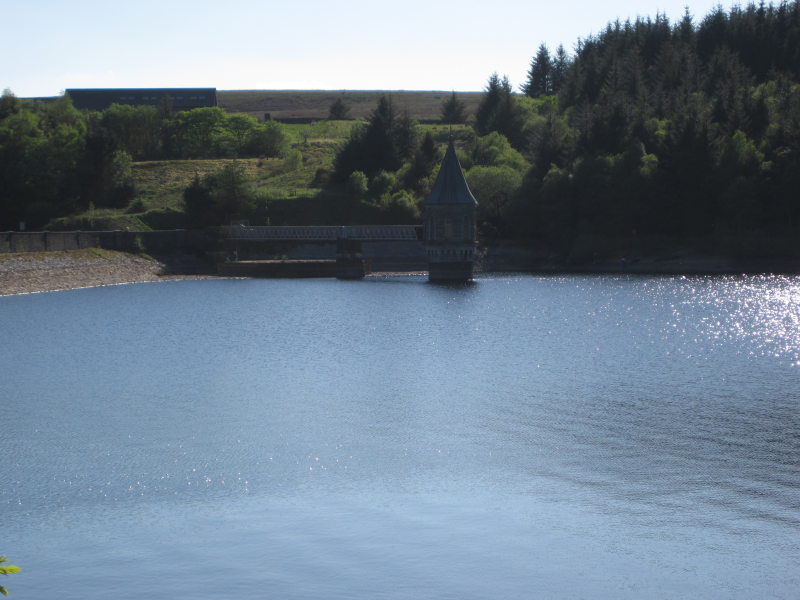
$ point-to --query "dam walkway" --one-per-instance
(323, 233)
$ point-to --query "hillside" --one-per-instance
(653, 138)
(314, 104)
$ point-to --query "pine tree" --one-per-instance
(560, 66)
(540, 75)
(381, 152)
(499, 111)
(491, 104)
(484, 116)
(404, 136)
(339, 110)
(424, 162)
(382, 145)
(453, 111)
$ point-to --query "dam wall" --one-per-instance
(124, 241)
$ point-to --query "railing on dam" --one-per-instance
(200, 239)
(322, 233)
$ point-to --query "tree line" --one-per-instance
(56, 160)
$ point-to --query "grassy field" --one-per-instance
(314, 104)
(160, 184)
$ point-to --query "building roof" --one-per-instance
(451, 186)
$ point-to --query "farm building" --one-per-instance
(181, 98)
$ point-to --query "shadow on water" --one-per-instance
(422, 279)
(453, 285)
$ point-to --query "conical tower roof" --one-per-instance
(450, 186)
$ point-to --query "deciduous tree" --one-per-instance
(240, 127)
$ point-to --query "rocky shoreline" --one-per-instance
(30, 272)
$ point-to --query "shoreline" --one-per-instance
(37, 272)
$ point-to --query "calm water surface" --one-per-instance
(522, 437)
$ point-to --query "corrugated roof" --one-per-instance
(451, 186)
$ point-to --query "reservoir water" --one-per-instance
(521, 437)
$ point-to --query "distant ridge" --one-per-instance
(307, 105)
(315, 104)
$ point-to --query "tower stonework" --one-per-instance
(449, 223)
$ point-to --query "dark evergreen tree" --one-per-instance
(198, 202)
(339, 110)
(540, 75)
(486, 115)
(219, 197)
(382, 145)
(424, 162)
(453, 111)
(499, 111)
(381, 152)
(405, 136)
(560, 66)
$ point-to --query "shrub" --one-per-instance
(268, 139)
(382, 183)
(494, 150)
(357, 183)
(293, 160)
(219, 196)
(399, 208)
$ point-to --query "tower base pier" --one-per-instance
(456, 271)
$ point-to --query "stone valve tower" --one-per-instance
(449, 214)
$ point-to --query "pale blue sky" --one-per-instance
(50, 45)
